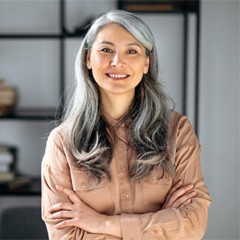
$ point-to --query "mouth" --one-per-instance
(117, 76)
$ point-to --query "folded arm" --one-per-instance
(183, 215)
(78, 214)
(188, 221)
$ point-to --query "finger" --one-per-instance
(186, 202)
(60, 214)
(65, 223)
(183, 199)
(179, 193)
(174, 188)
(69, 193)
(60, 206)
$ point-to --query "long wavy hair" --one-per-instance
(86, 126)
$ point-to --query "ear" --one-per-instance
(88, 58)
(145, 70)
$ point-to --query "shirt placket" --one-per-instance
(123, 173)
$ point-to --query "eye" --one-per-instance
(132, 51)
(106, 50)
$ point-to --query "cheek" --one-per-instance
(138, 66)
(98, 61)
(95, 63)
(139, 71)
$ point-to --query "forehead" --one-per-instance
(114, 32)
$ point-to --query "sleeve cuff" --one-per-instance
(131, 227)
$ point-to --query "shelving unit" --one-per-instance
(49, 113)
(37, 114)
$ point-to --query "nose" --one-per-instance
(117, 60)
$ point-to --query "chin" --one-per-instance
(120, 91)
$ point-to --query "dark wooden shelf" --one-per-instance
(31, 114)
(159, 6)
(34, 189)
(40, 35)
(29, 35)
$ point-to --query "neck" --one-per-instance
(116, 105)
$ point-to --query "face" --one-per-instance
(117, 60)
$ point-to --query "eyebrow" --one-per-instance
(129, 44)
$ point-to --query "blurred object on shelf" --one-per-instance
(10, 178)
(8, 158)
(6, 177)
(21, 184)
(16, 183)
(8, 98)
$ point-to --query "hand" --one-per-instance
(76, 213)
(179, 196)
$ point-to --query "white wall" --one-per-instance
(219, 114)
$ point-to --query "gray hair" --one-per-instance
(88, 140)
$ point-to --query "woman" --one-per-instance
(122, 165)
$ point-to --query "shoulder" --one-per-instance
(55, 155)
(56, 142)
(181, 130)
(57, 135)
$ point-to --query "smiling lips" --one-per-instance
(117, 76)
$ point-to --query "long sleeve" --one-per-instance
(189, 222)
(137, 204)
(55, 171)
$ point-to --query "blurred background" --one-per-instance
(198, 48)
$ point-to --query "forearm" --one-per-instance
(111, 226)
(184, 223)
(76, 233)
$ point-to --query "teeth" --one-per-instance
(117, 75)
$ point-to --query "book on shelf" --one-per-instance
(6, 176)
(17, 183)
